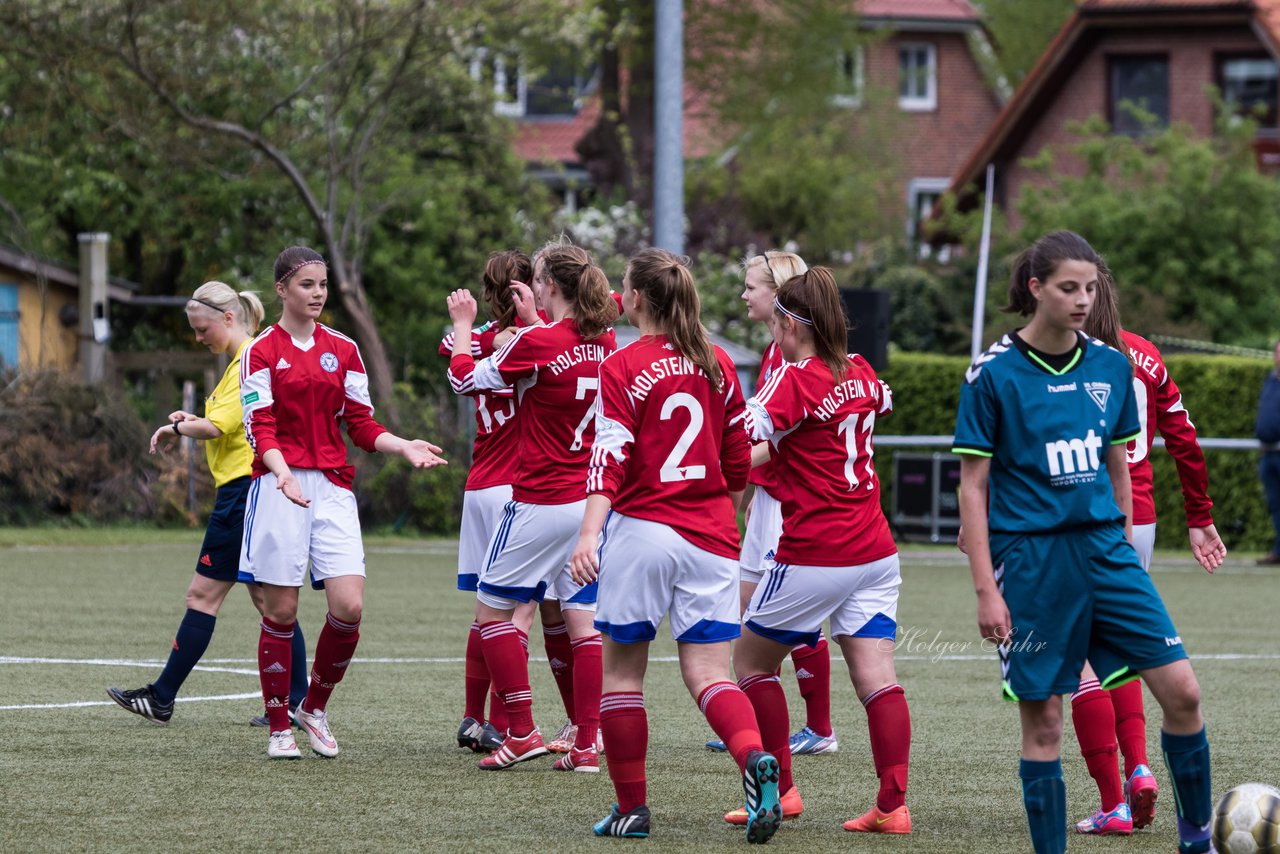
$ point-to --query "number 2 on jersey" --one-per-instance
(672, 468)
(852, 432)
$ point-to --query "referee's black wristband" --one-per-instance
(175, 428)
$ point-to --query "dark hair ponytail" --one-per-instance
(813, 299)
(671, 301)
(1040, 260)
(583, 284)
(499, 271)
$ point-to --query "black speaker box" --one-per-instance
(868, 311)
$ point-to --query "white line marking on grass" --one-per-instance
(82, 704)
(128, 662)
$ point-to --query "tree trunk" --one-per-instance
(355, 302)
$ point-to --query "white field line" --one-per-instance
(84, 703)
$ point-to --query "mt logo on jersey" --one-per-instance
(1073, 460)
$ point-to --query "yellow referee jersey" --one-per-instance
(229, 455)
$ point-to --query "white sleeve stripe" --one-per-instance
(486, 375)
(771, 385)
(357, 388)
(759, 423)
(611, 439)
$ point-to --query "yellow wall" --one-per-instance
(58, 349)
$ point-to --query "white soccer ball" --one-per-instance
(1247, 820)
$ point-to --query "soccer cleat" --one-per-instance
(717, 745)
(790, 802)
(282, 746)
(469, 734)
(316, 726)
(563, 740)
(490, 738)
(876, 821)
(142, 701)
(263, 721)
(579, 760)
(760, 784)
(514, 750)
(808, 742)
(1118, 822)
(632, 825)
(1140, 794)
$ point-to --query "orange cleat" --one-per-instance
(792, 806)
(875, 821)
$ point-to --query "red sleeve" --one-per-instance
(1179, 434)
(256, 396)
(357, 409)
(735, 447)
(615, 432)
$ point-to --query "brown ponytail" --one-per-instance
(583, 284)
(1040, 260)
(499, 271)
(813, 299)
(1103, 321)
(671, 300)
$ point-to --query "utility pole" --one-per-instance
(95, 328)
(668, 114)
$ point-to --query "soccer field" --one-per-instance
(78, 773)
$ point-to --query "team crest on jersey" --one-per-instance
(329, 362)
(1100, 392)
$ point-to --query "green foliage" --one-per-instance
(927, 315)
(1022, 29)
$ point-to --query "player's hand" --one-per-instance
(526, 303)
(994, 621)
(1207, 547)
(163, 434)
(462, 308)
(182, 415)
(960, 543)
(423, 455)
(583, 564)
(500, 340)
(288, 484)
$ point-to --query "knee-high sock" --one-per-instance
(733, 718)
(813, 675)
(194, 633)
(889, 724)
(1045, 797)
(274, 653)
(626, 739)
(297, 667)
(765, 693)
(475, 677)
(504, 652)
(333, 656)
(1095, 724)
(1187, 758)
(587, 675)
(1131, 725)
(560, 654)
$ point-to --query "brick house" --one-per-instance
(1160, 54)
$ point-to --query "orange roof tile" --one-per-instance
(938, 10)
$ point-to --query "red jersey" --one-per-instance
(296, 394)
(764, 475)
(1160, 409)
(555, 372)
(821, 437)
(694, 451)
(493, 457)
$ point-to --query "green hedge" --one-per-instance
(1220, 393)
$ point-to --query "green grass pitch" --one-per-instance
(81, 610)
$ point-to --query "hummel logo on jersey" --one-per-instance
(276, 667)
(1176, 640)
(1061, 388)
(282, 364)
(206, 560)
(803, 674)
(1100, 392)
(1074, 457)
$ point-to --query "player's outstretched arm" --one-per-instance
(273, 459)
(1207, 547)
(419, 452)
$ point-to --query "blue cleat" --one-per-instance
(806, 741)
(760, 783)
(718, 745)
(631, 825)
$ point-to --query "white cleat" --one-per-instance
(282, 746)
(316, 726)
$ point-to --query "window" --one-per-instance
(558, 91)
(922, 195)
(502, 74)
(8, 326)
(917, 76)
(1248, 86)
(1138, 83)
(851, 70)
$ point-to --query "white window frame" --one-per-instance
(928, 101)
(501, 105)
(916, 188)
(851, 99)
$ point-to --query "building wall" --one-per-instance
(39, 317)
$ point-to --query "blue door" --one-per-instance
(8, 326)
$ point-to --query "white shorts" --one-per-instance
(481, 513)
(648, 571)
(529, 557)
(281, 538)
(792, 601)
(1144, 540)
(764, 529)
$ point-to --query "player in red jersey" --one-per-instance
(668, 467)
(836, 558)
(1107, 721)
(299, 382)
(554, 371)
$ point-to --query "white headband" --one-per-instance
(791, 314)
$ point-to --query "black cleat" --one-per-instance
(760, 783)
(490, 739)
(142, 701)
(262, 720)
(631, 825)
(469, 734)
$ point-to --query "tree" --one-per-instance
(1022, 29)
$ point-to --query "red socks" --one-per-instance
(587, 674)
(731, 715)
(889, 724)
(770, 704)
(1095, 724)
(1131, 724)
(561, 657)
(813, 674)
(476, 678)
(275, 652)
(504, 652)
(333, 655)
(626, 738)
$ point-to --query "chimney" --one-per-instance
(95, 328)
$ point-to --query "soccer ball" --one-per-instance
(1247, 820)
